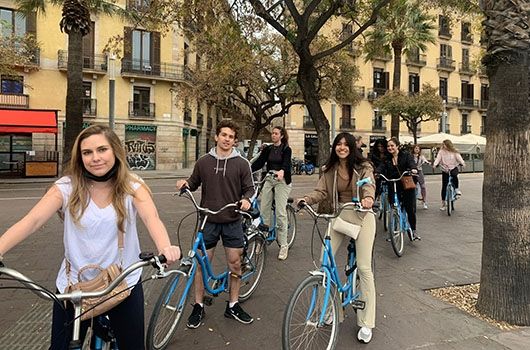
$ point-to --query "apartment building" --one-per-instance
(160, 129)
(449, 65)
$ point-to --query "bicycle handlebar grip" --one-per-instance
(365, 181)
(162, 259)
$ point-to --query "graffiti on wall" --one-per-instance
(140, 145)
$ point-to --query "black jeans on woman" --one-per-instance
(445, 181)
(126, 320)
(408, 201)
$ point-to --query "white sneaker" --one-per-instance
(284, 251)
(458, 192)
(364, 335)
(443, 207)
(425, 206)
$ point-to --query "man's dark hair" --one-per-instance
(227, 123)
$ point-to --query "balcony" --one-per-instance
(466, 38)
(163, 71)
(465, 129)
(347, 123)
(359, 90)
(445, 64)
(452, 102)
(141, 110)
(416, 60)
(14, 101)
(484, 105)
(378, 125)
(187, 115)
(444, 32)
(382, 56)
(139, 5)
(466, 69)
(90, 107)
(96, 64)
(308, 123)
(200, 120)
(482, 73)
(447, 128)
(469, 103)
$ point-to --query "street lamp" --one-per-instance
(444, 116)
(112, 87)
(333, 118)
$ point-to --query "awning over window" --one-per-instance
(28, 121)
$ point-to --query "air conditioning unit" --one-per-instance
(147, 67)
(372, 95)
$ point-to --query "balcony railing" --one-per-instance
(165, 71)
(360, 90)
(187, 116)
(447, 128)
(14, 101)
(141, 110)
(482, 73)
(90, 107)
(378, 125)
(139, 5)
(383, 56)
(469, 103)
(417, 60)
(308, 123)
(466, 38)
(347, 123)
(96, 63)
(446, 64)
(452, 101)
(445, 32)
(484, 104)
(466, 68)
(465, 129)
(200, 119)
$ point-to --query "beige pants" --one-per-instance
(281, 194)
(364, 245)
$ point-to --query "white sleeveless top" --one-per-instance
(95, 239)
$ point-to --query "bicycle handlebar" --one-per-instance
(355, 205)
(207, 211)
(77, 295)
(399, 178)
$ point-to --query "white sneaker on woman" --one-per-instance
(284, 251)
(364, 335)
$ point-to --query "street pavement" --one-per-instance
(407, 316)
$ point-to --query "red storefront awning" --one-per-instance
(28, 121)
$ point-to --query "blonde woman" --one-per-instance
(99, 199)
(419, 160)
(448, 159)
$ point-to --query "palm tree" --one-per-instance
(402, 27)
(76, 23)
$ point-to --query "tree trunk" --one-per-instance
(254, 137)
(396, 84)
(505, 275)
(74, 93)
(307, 77)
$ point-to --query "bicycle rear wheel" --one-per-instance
(291, 225)
(449, 199)
(167, 313)
(255, 262)
(396, 233)
(301, 322)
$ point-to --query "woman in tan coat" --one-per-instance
(337, 185)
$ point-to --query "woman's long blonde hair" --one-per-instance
(79, 198)
(449, 146)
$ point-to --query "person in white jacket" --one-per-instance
(448, 159)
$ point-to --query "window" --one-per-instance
(414, 83)
(465, 58)
(380, 79)
(484, 92)
(346, 122)
(378, 122)
(141, 101)
(87, 98)
(446, 51)
(88, 47)
(141, 50)
(443, 88)
(12, 85)
(465, 128)
(467, 90)
(443, 28)
(12, 22)
(186, 54)
(466, 33)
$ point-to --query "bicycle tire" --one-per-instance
(310, 171)
(302, 306)
(449, 203)
(291, 225)
(396, 233)
(256, 253)
(165, 318)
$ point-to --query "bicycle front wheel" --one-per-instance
(253, 267)
(449, 201)
(396, 233)
(302, 328)
(291, 225)
(167, 313)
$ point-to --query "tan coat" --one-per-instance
(326, 191)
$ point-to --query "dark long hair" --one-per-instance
(355, 158)
(283, 132)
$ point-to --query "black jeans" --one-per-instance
(445, 181)
(126, 320)
(408, 201)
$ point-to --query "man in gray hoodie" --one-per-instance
(225, 178)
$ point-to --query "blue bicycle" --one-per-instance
(269, 232)
(384, 207)
(312, 316)
(398, 223)
(172, 301)
(307, 167)
(450, 196)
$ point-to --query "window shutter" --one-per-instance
(127, 43)
(155, 52)
(31, 23)
(386, 75)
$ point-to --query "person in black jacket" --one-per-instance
(277, 157)
(378, 156)
(392, 168)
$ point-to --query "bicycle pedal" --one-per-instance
(208, 300)
(358, 304)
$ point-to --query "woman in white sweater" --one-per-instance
(449, 159)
